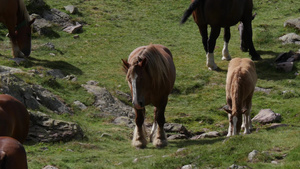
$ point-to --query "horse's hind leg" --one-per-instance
(247, 34)
(159, 138)
(225, 51)
(139, 135)
(214, 34)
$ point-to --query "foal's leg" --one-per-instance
(225, 51)
(230, 126)
(247, 120)
(139, 135)
(214, 34)
(160, 139)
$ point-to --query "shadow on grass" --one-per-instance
(266, 69)
(186, 143)
(65, 67)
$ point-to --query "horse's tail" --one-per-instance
(189, 11)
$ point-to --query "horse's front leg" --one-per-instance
(16, 52)
(225, 51)
(158, 134)
(139, 135)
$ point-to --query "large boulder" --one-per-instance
(295, 23)
(45, 129)
(266, 116)
(108, 104)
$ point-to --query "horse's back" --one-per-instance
(12, 154)
(223, 13)
(14, 120)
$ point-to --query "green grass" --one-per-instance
(111, 31)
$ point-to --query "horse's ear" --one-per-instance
(126, 65)
(31, 22)
(143, 62)
(2, 157)
(227, 109)
(254, 15)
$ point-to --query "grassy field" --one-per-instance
(112, 30)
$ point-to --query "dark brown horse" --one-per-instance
(14, 16)
(222, 13)
(14, 118)
(12, 154)
(151, 75)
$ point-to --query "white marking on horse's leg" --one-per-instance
(234, 120)
(225, 52)
(210, 62)
(139, 140)
(247, 124)
(153, 130)
(230, 127)
(244, 121)
(160, 139)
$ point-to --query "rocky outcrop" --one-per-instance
(32, 96)
(266, 116)
(45, 129)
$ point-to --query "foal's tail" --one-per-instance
(189, 11)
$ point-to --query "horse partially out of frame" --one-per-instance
(151, 75)
(222, 13)
(14, 15)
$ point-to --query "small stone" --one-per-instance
(252, 154)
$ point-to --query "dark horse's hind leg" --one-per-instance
(214, 34)
(225, 51)
(158, 136)
(139, 135)
(247, 34)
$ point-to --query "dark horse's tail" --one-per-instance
(189, 11)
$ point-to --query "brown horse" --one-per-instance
(12, 154)
(151, 75)
(240, 84)
(222, 13)
(14, 16)
(14, 118)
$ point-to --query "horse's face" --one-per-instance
(138, 82)
(23, 37)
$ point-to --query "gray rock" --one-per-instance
(259, 89)
(189, 166)
(71, 8)
(41, 25)
(45, 129)
(286, 66)
(177, 136)
(123, 120)
(50, 167)
(73, 29)
(176, 128)
(211, 134)
(49, 45)
(276, 125)
(107, 104)
(56, 73)
(58, 17)
(33, 96)
(4, 70)
(266, 116)
(80, 105)
(295, 23)
(252, 154)
(290, 38)
(234, 166)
